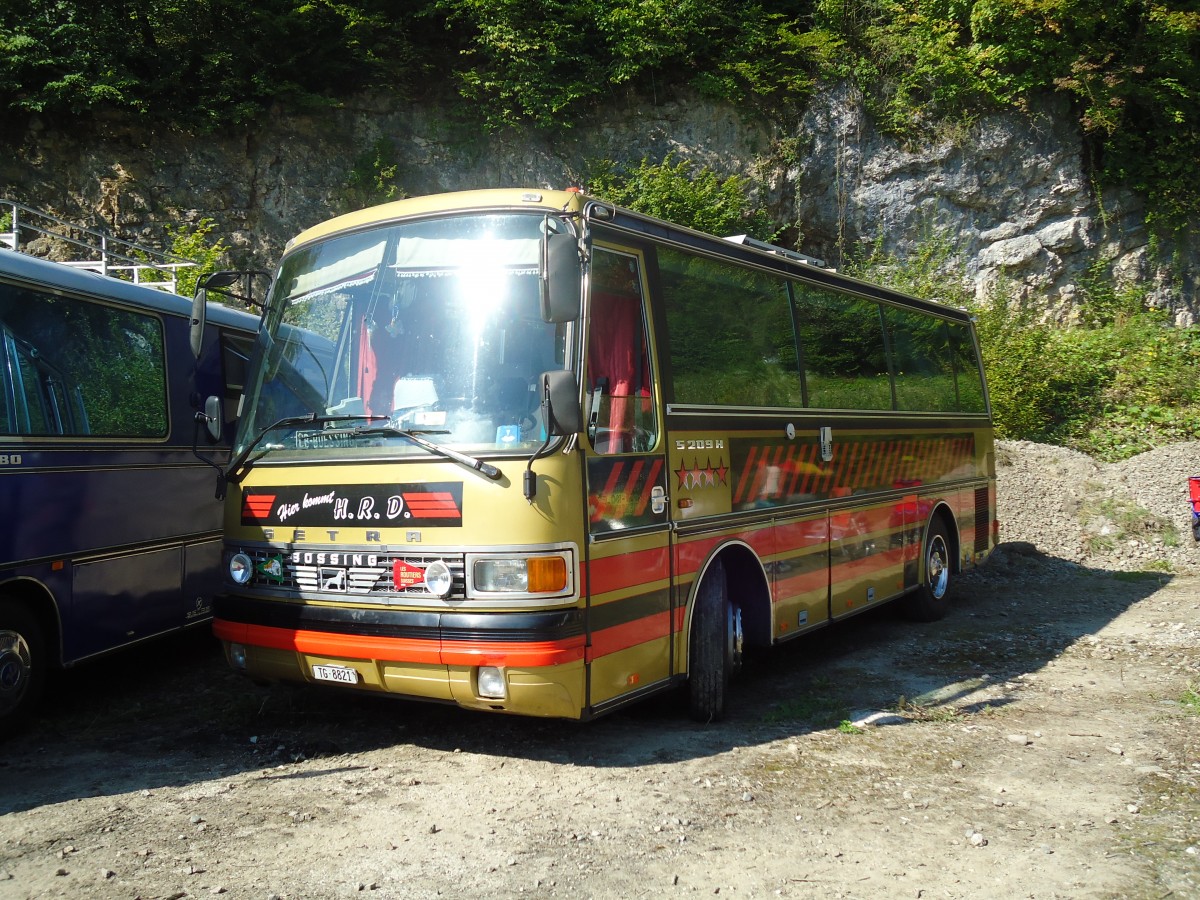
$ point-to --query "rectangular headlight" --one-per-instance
(510, 575)
(521, 575)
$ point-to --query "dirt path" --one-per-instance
(1038, 743)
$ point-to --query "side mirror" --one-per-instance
(562, 277)
(199, 306)
(212, 417)
(215, 280)
(560, 404)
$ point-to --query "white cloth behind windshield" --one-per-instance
(349, 271)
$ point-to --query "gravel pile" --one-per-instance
(1133, 515)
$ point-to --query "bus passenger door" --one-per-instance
(628, 561)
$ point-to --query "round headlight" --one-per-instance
(241, 568)
(438, 579)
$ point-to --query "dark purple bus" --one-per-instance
(110, 533)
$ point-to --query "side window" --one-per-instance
(7, 423)
(32, 394)
(730, 331)
(620, 403)
(922, 363)
(845, 360)
(235, 355)
(967, 369)
(83, 367)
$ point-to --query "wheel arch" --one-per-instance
(942, 512)
(746, 585)
(38, 600)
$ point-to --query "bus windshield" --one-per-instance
(430, 327)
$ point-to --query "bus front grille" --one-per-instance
(353, 576)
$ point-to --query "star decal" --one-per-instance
(702, 476)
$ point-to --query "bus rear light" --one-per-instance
(490, 683)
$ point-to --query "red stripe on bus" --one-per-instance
(257, 506)
(626, 570)
(409, 650)
(527, 654)
(433, 504)
(321, 643)
(851, 570)
(804, 583)
(629, 634)
(747, 469)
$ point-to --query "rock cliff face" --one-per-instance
(1012, 196)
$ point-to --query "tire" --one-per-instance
(715, 647)
(931, 601)
(24, 664)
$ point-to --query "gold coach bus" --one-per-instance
(529, 452)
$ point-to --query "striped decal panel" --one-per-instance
(830, 563)
(630, 617)
(630, 597)
(336, 505)
(620, 490)
(772, 472)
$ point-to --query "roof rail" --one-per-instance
(779, 251)
(90, 249)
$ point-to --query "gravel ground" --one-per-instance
(1128, 516)
(1042, 741)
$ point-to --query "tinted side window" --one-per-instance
(967, 369)
(82, 367)
(922, 362)
(621, 406)
(730, 330)
(845, 361)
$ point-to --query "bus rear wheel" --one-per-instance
(930, 601)
(23, 663)
(715, 648)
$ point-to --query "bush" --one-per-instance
(677, 191)
(1122, 382)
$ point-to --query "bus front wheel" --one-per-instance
(715, 648)
(23, 662)
(930, 601)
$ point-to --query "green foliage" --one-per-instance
(373, 177)
(541, 60)
(1110, 521)
(1190, 700)
(914, 60)
(195, 244)
(675, 190)
(1131, 68)
(1122, 382)
(206, 64)
(1112, 390)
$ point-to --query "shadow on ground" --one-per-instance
(172, 714)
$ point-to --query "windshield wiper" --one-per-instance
(471, 462)
(238, 466)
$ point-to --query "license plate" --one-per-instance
(340, 674)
